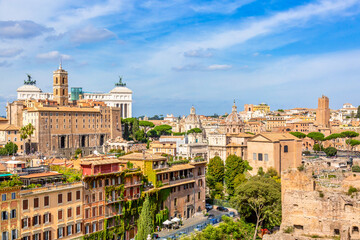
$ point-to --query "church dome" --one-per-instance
(233, 117)
(192, 118)
(29, 88)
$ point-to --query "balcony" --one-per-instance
(132, 184)
(182, 178)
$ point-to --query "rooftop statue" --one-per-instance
(120, 83)
(29, 81)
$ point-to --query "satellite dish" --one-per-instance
(13, 158)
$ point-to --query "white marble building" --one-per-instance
(120, 96)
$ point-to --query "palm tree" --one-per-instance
(26, 132)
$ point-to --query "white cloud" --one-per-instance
(200, 53)
(53, 55)
(292, 18)
(198, 67)
(90, 34)
(220, 6)
(218, 67)
(10, 52)
(21, 29)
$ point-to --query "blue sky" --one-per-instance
(174, 54)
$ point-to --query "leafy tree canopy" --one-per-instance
(163, 129)
(194, 130)
(316, 136)
(298, 134)
(234, 166)
(145, 222)
(349, 134)
(259, 198)
(228, 229)
(215, 176)
(146, 124)
(330, 151)
(333, 136)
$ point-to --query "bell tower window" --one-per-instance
(56, 80)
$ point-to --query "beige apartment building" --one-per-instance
(10, 213)
(277, 150)
(52, 212)
(157, 147)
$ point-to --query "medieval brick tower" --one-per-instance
(323, 112)
(60, 86)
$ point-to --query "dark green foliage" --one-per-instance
(259, 200)
(261, 172)
(301, 168)
(227, 230)
(358, 112)
(13, 182)
(351, 190)
(355, 168)
(317, 148)
(77, 153)
(178, 133)
(349, 134)
(163, 130)
(298, 134)
(194, 130)
(11, 148)
(330, 151)
(333, 136)
(146, 125)
(152, 133)
(145, 222)
(316, 136)
(215, 177)
(234, 166)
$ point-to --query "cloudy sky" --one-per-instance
(178, 53)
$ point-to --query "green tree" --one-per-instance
(195, 132)
(163, 129)
(215, 177)
(333, 137)
(26, 132)
(259, 197)
(78, 152)
(152, 133)
(330, 151)
(146, 125)
(145, 223)
(358, 112)
(352, 143)
(317, 147)
(14, 181)
(227, 230)
(317, 137)
(11, 148)
(349, 135)
(234, 166)
(298, 134)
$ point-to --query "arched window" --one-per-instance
(63, 91)
(63, 81)
(56, 92)
(56, 80)
(286, 149)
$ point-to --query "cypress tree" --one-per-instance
(145, 223)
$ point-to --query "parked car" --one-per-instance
(156, 236)
(232, 214)
(213, 221)
(210, 216)
(175, 226)
(208, 206)
(222, 209)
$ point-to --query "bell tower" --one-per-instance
(60, 86)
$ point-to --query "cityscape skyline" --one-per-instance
(184, 50)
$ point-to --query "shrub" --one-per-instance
(355, 168)
(321, 194)
(330, 151)
(301, 168)
(351, 190)
(289, 229)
